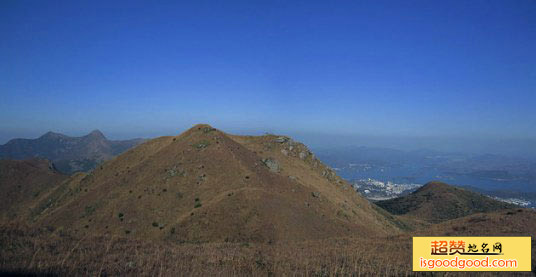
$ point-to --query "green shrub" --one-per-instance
(197, 203)
(89, 210)
(202, 144)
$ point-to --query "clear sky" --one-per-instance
(375, 68)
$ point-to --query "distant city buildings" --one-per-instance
(515, 201)
(378, 190)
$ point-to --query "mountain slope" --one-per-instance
(23, 183)
(205, 185)
(436, 202)
(69, 154)
(518, 221)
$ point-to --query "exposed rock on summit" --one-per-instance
(271, 164)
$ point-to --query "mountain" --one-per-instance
(69, 154)
(22, 182)
(210, 203)
(436, 202)
(208, 186)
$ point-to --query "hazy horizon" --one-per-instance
(515, 147)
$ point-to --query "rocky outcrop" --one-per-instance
(272, 164)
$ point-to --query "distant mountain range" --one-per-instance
(69, 154)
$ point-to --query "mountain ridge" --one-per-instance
(69, 154)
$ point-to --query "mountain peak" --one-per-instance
(275, 191)
(201, 126)
(96, 134)
(206, 128)
(52, 135)
(434, 185)
(69, 154)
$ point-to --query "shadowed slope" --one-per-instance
(23, 182)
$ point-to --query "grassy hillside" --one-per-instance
(436, 202)
(24, 183)
(207, 186)
(61, 251)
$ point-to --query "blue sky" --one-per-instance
(375, 68)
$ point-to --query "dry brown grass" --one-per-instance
(24, 182)
(56, 251)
